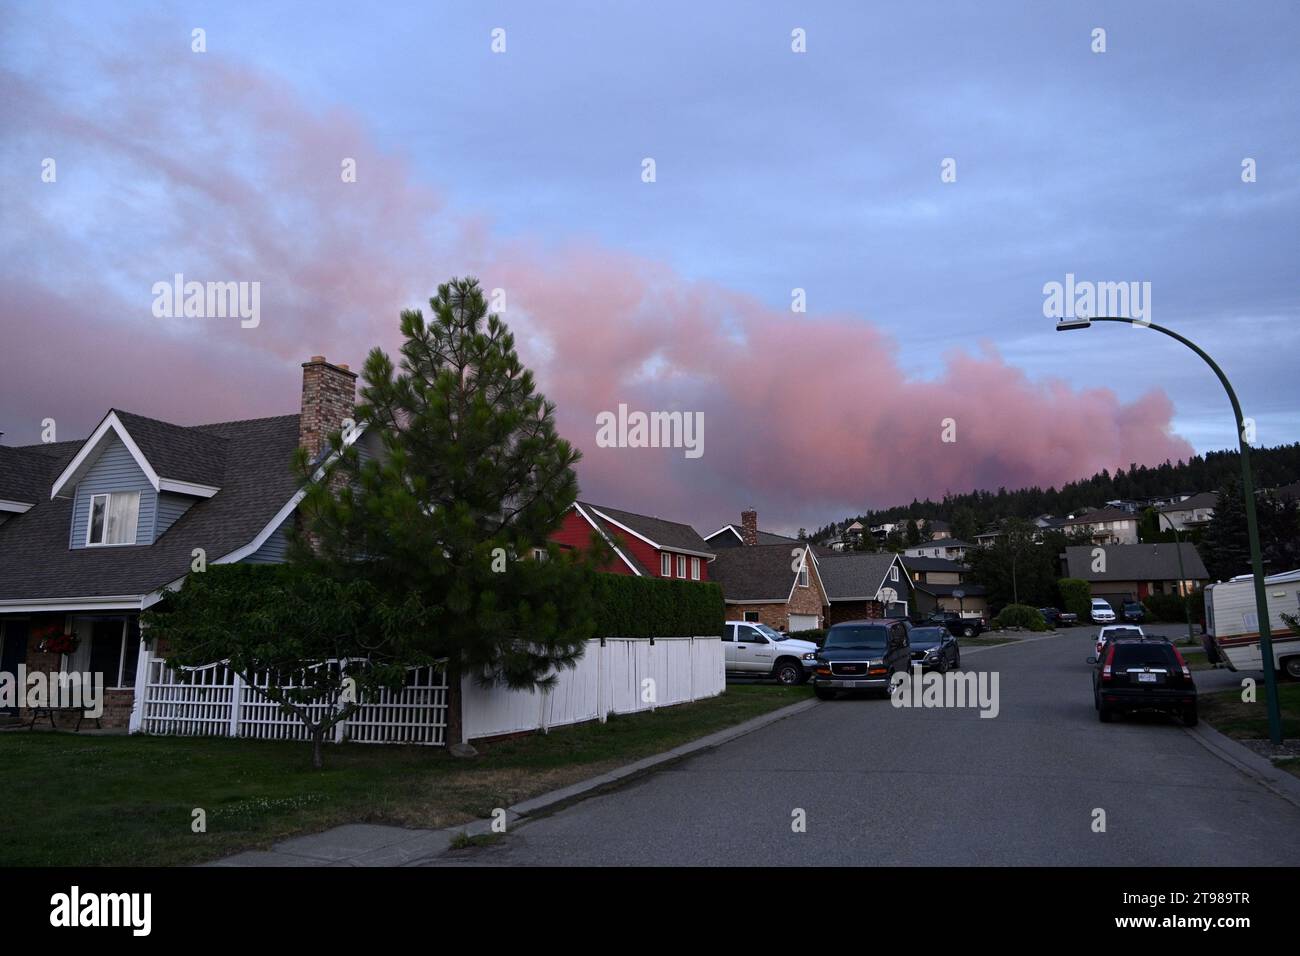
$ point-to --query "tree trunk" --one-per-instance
(318, 747)
(455, 728)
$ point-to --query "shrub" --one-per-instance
(657, 607)
(1020, 615)
(1076, 597)
(816, 635)
(1169, 607)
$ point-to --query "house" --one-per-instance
(1194, 511)
(950, 549)
(988, 537)
(735, 536)
(863, 585)
(1109, 525)
(779, 585)
(943, 585)
(936, 529)
(643, 545)
(97, 528)
(1126, 572)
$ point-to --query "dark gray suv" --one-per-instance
(861, 655)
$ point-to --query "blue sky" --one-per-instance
(820, 170)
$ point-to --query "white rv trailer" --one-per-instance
(1232, 622)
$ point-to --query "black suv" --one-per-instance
(1142, 673)
(861, 655)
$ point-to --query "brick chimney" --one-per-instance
(328, 397)
(749, 527)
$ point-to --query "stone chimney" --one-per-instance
(749, 527)
(328, 397)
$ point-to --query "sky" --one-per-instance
(923, 361)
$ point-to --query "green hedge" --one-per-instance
(1076, 597)
(1169, 607)
(816, 635)
(1020, 615)
(657, 607)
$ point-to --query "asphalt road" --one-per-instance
(881, 785)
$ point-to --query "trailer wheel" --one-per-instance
(1292, 667)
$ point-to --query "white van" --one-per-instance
(1232, 622)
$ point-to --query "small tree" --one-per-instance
(459, 502)
(1076, 597)
(285, 622)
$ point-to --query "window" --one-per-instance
(681, 565)
(113, 518)
(751, 615)
(893, 572)
(108, 646)
(729, 633)
(803, 575)
(539, 554)
(695, 569)
(665, 565)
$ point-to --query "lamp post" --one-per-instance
(1182, 575)
(1252, 523)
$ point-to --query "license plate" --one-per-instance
(1148, 678)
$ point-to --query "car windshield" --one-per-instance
(861, 637)
(770, 633)
(1115, 632)
(927, 635)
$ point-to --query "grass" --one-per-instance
(1290, 764)
(1242, 721)
(1196, 660)
(130, 800)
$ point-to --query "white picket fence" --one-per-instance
(213, 700)
(620, 676)
(624, 676)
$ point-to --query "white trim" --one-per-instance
(608, 540)
(654, 544)
(695, 568)
(17, 507)
(725, 527)
(665, 564)
(807, 553)
(681, 567)
(91, 445)
(90, 521)
(187, 488)
(126, 602)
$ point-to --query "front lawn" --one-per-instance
(82, 800)
(1242, 721)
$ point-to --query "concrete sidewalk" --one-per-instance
(363, 844)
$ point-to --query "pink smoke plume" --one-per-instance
(222, 172)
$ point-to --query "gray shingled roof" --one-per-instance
(1205, 499)
(764, 537)
(182, 453)
(858, 575)
(759, 572)
(671, 535)
(1136, 562)
(25, 470)
(257, 480)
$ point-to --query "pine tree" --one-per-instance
(1226, 545)
(454, 514)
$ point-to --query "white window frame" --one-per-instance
(695, 569)
(665, 564)
(90, 520)
(681, 566)
(893, 572)
(803, 575)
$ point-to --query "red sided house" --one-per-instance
(643, 545)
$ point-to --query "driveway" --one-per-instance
(879, 785)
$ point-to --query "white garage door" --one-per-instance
(803, 622)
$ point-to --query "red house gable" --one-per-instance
(641, 543)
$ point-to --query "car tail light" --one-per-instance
(1110, 657)
(1187, 674)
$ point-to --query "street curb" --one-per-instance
(1242, 758)
(556, 799)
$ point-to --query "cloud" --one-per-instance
(195, 164)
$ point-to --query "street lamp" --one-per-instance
(1182, 575)
(1252, 524)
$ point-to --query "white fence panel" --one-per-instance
(608, 680)
(213, 701)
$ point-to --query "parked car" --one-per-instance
(1102, 612)
(1113, 631)
(756, 650)
(861, 655)
(934, 648)
(1145, 674)
(1134, 611)
(956, 625)
(1055, 617)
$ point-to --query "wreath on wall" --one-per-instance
(52, 640)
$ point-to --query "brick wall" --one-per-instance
(117, 703)
(328, 397)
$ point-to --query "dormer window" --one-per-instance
(113, 518)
